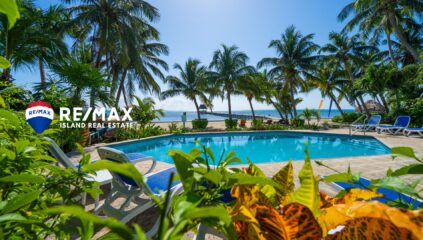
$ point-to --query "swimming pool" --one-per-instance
(260, 147)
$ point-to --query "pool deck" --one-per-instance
(369, 166)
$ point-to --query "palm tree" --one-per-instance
(190, 83)
(49, 37)
(371, 14)
(250, 87)
(16, 43)
(328, 79)
(294, 60)
(346, 52)
(230, 66)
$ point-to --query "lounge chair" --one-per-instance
(409, 131)
(372, 124)
(400, 124)
(126, 188)
(388, 194)
(242, 123)
(103, 176)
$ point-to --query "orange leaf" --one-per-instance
(296, 222)
(372, 228)
(357, 194)
(341, 214)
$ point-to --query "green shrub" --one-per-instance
(350, 117)
(16, 98)
(297, 122)
(231, 124)
(257, 124)
(137, 133)
(30, 183)
(416, 111)
(337, 119)
(200, 124)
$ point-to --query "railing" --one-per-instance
(356, 121)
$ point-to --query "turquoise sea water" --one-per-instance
(261, 147)
(171, 116)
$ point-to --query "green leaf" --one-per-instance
(4, 63)
(405, 151)
(117, 227)
(126, 169)
(396, 184)
(308, 192)
(339, 177)
(25, 177)
(183, 164)
(13, 217)
(409, 169)
(10, 117)
(10, 8)
(245, 179)
(285, 177)
(20, 201)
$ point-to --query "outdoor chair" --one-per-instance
(400, 124)
(103, 176)
(243, 123)
(388, 194)
(372, 124)
(132, 192)
(409, 131)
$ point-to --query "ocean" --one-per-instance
(173, 116)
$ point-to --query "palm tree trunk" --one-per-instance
(384, 102)
(360, 98)
(124, 96)
(399, 33)
(391, 53)
(197, 108)
(5, 75)
(42, 73)
(359, 105)
(364, 105)
(121, 85)
(277, 109)
(332, 97)
(291, 89)
(251, 106)
(229, 106)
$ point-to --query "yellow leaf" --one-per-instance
(285, 177)
(341, 214)
(308, 192)
(357, 194)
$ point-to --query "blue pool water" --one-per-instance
(261, 147)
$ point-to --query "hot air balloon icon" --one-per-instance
(39, 115)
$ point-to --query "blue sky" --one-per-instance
(195, 28)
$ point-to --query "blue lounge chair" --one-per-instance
(388, 194)
(400, 124)
(126, 188)
(372, 124)
(409, 131)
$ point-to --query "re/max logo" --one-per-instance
(78, 114)
(39, 111)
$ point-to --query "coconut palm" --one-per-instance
(190, 83)
(16, 43)
(329, 80)
(347, 53)
(250, 86)
(295, 58)
(370, 14)
(230, 66)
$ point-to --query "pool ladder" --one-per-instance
(365, 117)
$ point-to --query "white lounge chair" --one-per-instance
(400, 124)
(103, 176)
(132, 192)
(409, 131)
